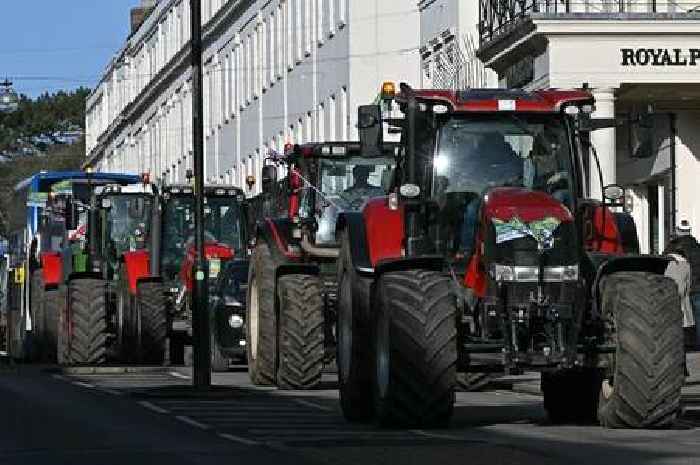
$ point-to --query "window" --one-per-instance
(331, 18)
(308, 26)
(332, 118)
(344, 121)
(255, 63)
(272, 63)
(299, 30)
(248, 70)
(279, 41)
(227, 86)
(319, 21)
(342, 7)
(289, 26)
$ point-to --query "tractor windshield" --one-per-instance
(223, 223)
(128, 222)
(345, 185)
(475, 154)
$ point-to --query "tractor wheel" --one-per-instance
(571, 395)
(152, 321)
(54, 301)
(126, 348)
(88, 320)
(354, 349)
(261, 318)
(642, 384)
(301, 335)
(474, 382)
(416, 349)
(38, 312)
(63, 331)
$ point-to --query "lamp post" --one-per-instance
(200, 316)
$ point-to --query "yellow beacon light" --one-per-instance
(388, 91)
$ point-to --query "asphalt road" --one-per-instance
(117, 418)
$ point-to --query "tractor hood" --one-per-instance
(213, 250)
(519, 223)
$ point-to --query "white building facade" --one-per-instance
(449, 40)
(641, 60)
(275, 72)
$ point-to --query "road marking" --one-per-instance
(313, 405)
(153, 407)
(434, 435)
(59, 377)
(231, 437)
(178, 375)
(85, 385)
(192, 422)
(112, 392)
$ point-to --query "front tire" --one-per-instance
(152, 310)
(354, 349)
(301, 349)
(38, 307)
(88, 321)
(261, 319)
(642, 385)
(416, 349)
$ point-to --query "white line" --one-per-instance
(231, 437)
(434, 436)
(313, 405)
(178, 375)
(59, 377)
(112, 392)
(192, 422)
(85, 385)
(153, 407)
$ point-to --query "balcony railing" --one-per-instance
(498, 16)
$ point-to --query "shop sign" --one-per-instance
(660, 56)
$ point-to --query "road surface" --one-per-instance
(108, 418)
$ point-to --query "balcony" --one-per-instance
(499, 17)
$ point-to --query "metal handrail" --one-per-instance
(498, 16)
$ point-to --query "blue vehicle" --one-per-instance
(46, 243)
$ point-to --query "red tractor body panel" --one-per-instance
(52, 268)
(546, 101)
(137, 265)
(384, 228)
(212, 250)
(506, 203)
(605, 235)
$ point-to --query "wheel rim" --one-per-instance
(383, 356)
(344, 328)
(253, 319)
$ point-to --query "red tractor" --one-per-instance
(489, 254)
(292, 281)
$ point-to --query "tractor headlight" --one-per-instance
(235, 321)
(530, 274)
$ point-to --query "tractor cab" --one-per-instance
(327, 179)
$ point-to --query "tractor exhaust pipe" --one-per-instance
(323, 252)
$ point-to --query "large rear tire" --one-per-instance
(416, 349)
(54, 301)
(88, 320)
(301, 341)
(642, 385)
(261, 318)
(354, 349)
(152, 311)
(38, 312)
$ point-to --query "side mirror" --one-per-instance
(369, 125)
(614, 194)
(268, 177)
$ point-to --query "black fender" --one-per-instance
(76, 275)
(353, 223)
(426, 262)
(612, 264)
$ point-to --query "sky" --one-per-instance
(49, 45)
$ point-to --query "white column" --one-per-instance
(604, 142)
